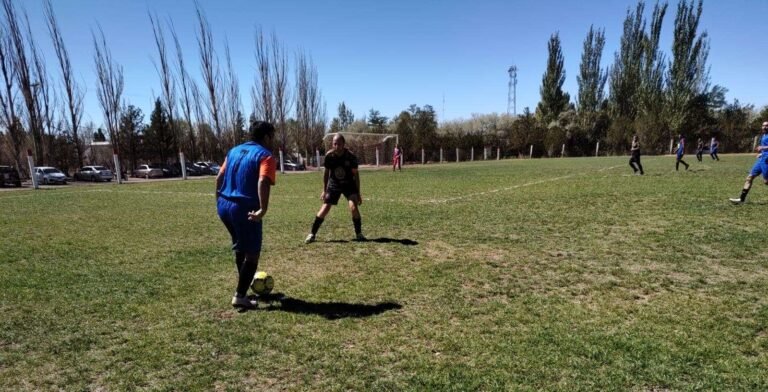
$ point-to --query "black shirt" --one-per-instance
(340, 168)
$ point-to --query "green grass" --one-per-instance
(560, 274)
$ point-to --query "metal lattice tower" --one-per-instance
(512, 93)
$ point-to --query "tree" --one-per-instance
(592, 77)
(109, 87)
(15, 135)
(72, 91)
(131, 128)
(688, 74)
(651, 124)
(553, 99)
(261, 93)
(187, 87)
(346, 117)
(209, 66)
(158, 136)
(167, 79)
(377, 122)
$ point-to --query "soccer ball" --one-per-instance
(263, 283)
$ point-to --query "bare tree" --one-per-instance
(282, 99)
(186, 94)
(234, 106)
(168, 85)
(16, 136)
(210, 70)
(74, 95)
(25, 76)
(310, 110)
(46, 98)
(261, 92)
(109, 86)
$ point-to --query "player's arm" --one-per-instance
(267, 172)
(356, 176)
(220, 178)
(326, 176)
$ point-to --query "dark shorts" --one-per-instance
(246, 235)
(333, 195)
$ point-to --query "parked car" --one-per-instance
(93, 173)
(9, 176)
(148, 171)
(209, 167)
(50, 175)
(292, 166)
(169, 170)
(192, 170)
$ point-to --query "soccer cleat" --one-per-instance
(244, 303)
(735, 200)
(310, 238)
(360, 237)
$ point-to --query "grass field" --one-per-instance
(558, 274)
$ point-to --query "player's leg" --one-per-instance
(757, 169)
(632, 164)
(639, 166)
(357, 220)
(248, 246)
(331, 199)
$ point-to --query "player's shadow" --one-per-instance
(381, 240)
(329, 310)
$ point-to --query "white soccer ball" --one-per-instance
(263, 283)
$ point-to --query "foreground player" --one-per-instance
(242, 199)
(760, 167)
(396, 158)
(340, 177)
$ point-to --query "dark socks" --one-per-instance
(358, 222)
(247, 271)
(743, 196)
(316, 224)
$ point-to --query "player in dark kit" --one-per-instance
(634, 160)
(242, 199)
(680, 152)
(760, 167)
(340, 177)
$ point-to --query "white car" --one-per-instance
(50, 175)
(93, 173)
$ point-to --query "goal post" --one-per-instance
(370, 148)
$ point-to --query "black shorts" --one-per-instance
(332, 196)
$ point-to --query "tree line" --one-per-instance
(41, 104)
(646, 91)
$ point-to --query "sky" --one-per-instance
(387, 55)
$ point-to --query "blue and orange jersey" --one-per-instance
(764, 143)
(244, 166)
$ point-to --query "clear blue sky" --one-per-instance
(390, 54)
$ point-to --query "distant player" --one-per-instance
(680, 152)
(760, 166)
(242, 199)
(634, 159)
(340, 177)
(396, 157)
(714, 146)
(699, 149)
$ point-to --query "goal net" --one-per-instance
(370, 148)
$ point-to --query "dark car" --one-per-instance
(169, 170)
(290, 165)
(9, 176)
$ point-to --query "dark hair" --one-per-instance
(260, 129)
(340, 137)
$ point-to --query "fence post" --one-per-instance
(422, 155)
(530, 154)
(441, 155)
(457, 154)
(472, 154)
(377, 157)
(118, 169)
(498, 153)
(317, 157)
(31, 163)
(671, 144)
(597, 149)
(183, 163)
(282, 164)
(562, 151)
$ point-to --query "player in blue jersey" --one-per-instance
(340, 177)
(242, 199)
(760, 166)
(714, 145)
(680, 152)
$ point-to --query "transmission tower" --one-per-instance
(512, 93)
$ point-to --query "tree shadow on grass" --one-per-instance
(329, 310)
(381, 240)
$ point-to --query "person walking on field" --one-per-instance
(680, 152)
(634, 159)
(396, 157)
(242, 199)
(340, 177)
(760, 166)
(714, 145)
(699, 149)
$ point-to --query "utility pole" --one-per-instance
(512, 92)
